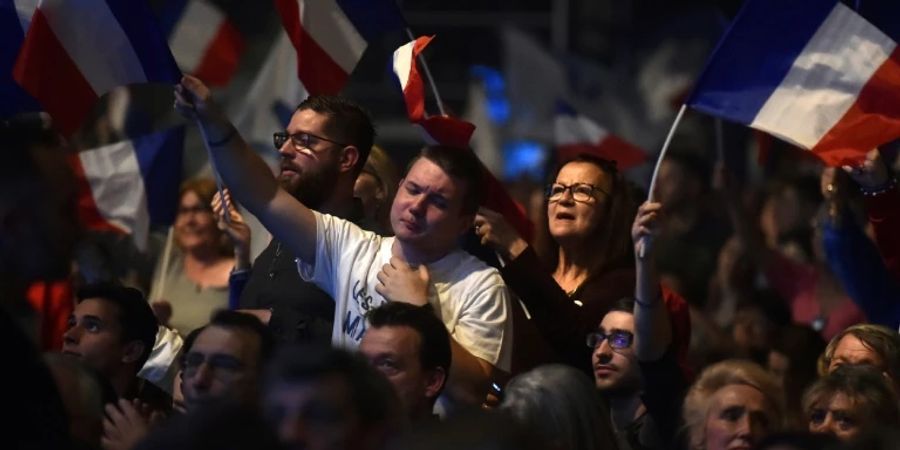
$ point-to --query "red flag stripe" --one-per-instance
(88, 211)
(873, 119)
(319, 73)
(220, 61)
(47, 72)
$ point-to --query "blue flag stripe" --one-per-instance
(170, 14)
(372, 18)
(13, 99)
(755, 55)
(137, 21)
(159, 157)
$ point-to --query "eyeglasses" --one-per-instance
(300, 140)
(222, 366)
(618, 339)
(581, 192)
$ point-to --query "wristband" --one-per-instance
(888, 186)
(225, 139)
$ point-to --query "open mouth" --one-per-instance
(565, 216)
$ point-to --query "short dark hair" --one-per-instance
(239, 321)
(461, 164)
(347, 122)
(624, 304)
(136, 318)
(371, 394)
(435, 349)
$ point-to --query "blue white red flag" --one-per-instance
(76, 51)
(14, 19)
(814, 73)
(576, 134)
(204, 42)
(127, 186)
(330, 36)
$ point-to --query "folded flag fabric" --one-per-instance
(446, 130)
(576, 134)
(75, 51)
(814, 73)
(203, 41)
(330, 36)
(127, 186)
(14, 19)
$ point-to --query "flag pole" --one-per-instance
(166, 256)
(212, 165)
(434, 90)
(720, 141)
(659, 159)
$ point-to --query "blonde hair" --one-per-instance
(717, 376)
(884, 341)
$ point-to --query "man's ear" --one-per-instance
(437, 377)
(133, 352)
(349, 158)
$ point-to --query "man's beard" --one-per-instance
(312, 187)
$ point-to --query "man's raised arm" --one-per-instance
(246, 174)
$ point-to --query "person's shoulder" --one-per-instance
(470, 273)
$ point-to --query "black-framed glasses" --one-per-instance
(300, 140)
(618, 339)
(581, 192)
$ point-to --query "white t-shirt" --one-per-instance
(468, 295)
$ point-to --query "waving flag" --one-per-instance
(446, 130)
(330, 36)
(814, 73)
(14, 19)
(203, 41)
(127, 186)
(76, 51)
(576, 134)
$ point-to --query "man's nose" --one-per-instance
(72, 335)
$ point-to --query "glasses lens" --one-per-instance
(620, 340)
(582, 192)
(555, 191)
(593, 340)
(300, 140)
(278, 139)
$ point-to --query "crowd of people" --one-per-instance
(718, 316)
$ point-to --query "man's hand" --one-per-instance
(498, 234)
(400, 282)
(192, 97)
(235, 228)
(126, 423)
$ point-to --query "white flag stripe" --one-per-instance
(402, 62)
(325, 21)
(25, 9)
(87, 30)
(578, 130)
(117, 186)
(194, 33)
(276, 82)
(825, 79)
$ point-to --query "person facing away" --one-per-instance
(312, 171)
(422, 263)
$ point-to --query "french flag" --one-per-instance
(813, 73)
(76, 51)
(446, 130)
(330, 36)
(203, 41)
(576, 134)
(435, 129)
(14, 19)
(130, 185)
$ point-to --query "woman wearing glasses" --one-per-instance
(192, 282)
(587, 261)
